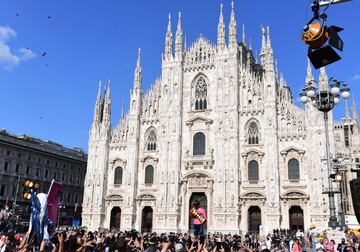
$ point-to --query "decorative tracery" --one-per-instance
(253, 133)
(201, 94)
(151, 140)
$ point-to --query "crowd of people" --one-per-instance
(79, 240)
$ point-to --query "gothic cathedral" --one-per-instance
(219, 125)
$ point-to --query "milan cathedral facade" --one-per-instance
(218, 125)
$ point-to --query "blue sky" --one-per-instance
(52, 96)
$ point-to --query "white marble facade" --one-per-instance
(218, 121)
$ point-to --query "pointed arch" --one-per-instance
(151, 139)
(252, 132)
(200, 95)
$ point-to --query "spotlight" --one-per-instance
(322, 39)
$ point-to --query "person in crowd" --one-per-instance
(5, 213)
(297, 247)
(199, 215)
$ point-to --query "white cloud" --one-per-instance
(26, 54)
(8, 60)
(356, 77)
(6, 33)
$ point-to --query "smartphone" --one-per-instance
(202, 239)
(218, 246)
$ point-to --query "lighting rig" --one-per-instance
(320, 38)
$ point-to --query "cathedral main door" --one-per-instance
(254, 219)
(115, 218)
(296, 216)
(203, 203)
(147, 219)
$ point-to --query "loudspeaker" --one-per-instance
(355, 195)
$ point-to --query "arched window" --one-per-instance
(253, 171)
(151, 140)
(293, 169)
(149, 175)
(118, 176)
(199, 144)
(200, 94)
(253, 133)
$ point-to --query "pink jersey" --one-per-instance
(202, 212)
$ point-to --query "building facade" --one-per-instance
(218, 125)
(24, 157)
(347, 146)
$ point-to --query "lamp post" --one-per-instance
(339, 164)
(324, 101)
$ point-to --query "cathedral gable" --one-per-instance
(198, 118)
(200, 55)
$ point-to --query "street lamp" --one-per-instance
(324, 101)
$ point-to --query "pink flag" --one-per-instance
(53, 201)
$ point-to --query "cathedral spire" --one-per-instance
(243, 35)
(268, 44)
(282, 81)
(178, 39)
(107, 104)
(184, 42)
(232, 27)
(168, 40)
(323, 79)
(276, 69)
(263, 39)
(309, 75)
(97, 109)
(98, 98)
(221, 29)
(353, 110)
(263, 46)
(122, 109)
(347, 114)
(250, 44)
(138, 74)
(269, 51)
